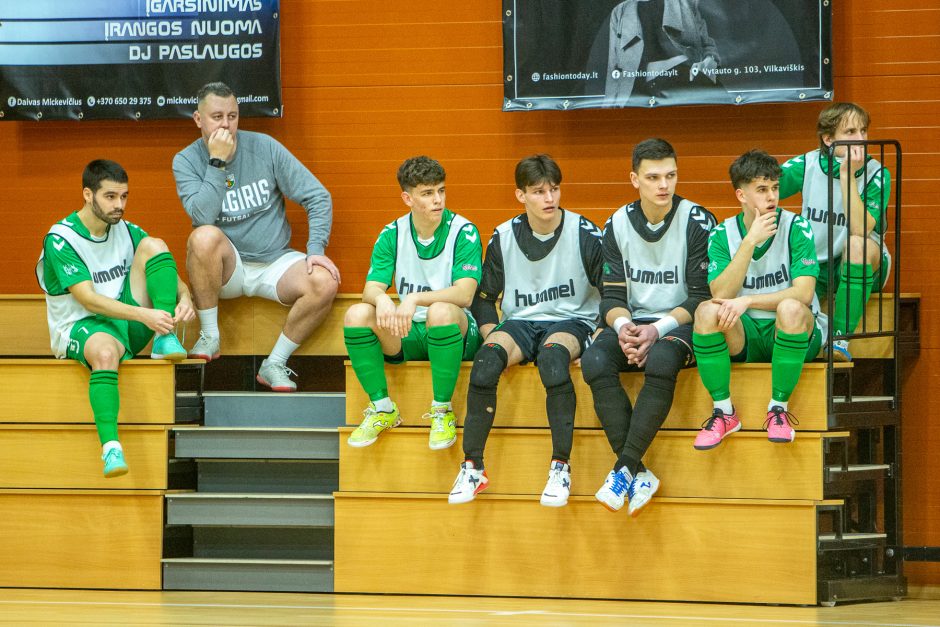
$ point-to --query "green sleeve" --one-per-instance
(791, 178)
(876, 196)
(136, 232)
(803, 260)
(719, 255)
(468, 254)
(62, 267)
(382, 264)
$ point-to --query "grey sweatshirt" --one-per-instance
(246, 200)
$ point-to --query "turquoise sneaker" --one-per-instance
(374, 423)
(443, 427)
(114, 464)
(167, 347)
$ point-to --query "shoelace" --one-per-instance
(287, 372)
(709, 423)
(556, 477)
(619, 484)
(778, 415)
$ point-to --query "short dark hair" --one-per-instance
(536, 170)
(754, 164)
(420, 171)
(218, 88)
(653, 149)
(832, 116)
(102, 170)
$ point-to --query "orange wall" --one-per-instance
(367, 83)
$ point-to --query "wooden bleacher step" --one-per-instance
(510, 545)
(271, 409)
(746, 465)
(521, 396)
(255, 575)
(56, 538)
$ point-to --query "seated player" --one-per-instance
(865, 267)
(432, 256)
(546, 263)
(654, 278)
(762, 274)
(109, 288)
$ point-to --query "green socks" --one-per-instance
(160, 275)
(787, 363)
(851, 297)
(445, 352)
(365, 354)
(714, 364)
(105, 403)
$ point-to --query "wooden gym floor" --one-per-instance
(94, 607)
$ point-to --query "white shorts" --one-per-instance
(254, 278)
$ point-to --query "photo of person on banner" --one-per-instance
(658, 48)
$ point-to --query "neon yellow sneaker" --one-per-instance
(374, 423)
(443, 427)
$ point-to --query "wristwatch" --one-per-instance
(217, 163)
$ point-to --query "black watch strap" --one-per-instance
(217, 163)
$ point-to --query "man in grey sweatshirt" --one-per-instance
(233, 184)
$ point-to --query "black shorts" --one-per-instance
(529, 335)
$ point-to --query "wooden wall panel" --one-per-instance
(368, 83)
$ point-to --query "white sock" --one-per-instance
(725, 406)
(449, 405)
(283, 349)
(109, 445)
(383, 404)
(774, 403)
(209, 321)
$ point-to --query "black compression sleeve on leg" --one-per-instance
(488, 365)
(601, 365)
(554, 362)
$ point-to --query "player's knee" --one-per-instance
(443, 313)
(665, 360)
(360, 315)
(150, 246)
(321, 285)
(554, 365)
(596, 364)
(488, 365)
(204, 240)
(105, 357)
(706, 317)
(859, 248)
(790, 314)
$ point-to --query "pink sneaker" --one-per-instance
(778, 425)
(715, 429)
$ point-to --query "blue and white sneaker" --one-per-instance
(641, 490)
(167, 347)
(614, 491)
(114, 464)
(468, 484)
(840, 351)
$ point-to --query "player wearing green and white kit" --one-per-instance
(866, 266)
(433, 258)
(109, 287)
(762, 273)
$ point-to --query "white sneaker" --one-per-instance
(276, 376)
(206, 347)
(468, 484)
(644, 486)
(614, 491)
(558, 486)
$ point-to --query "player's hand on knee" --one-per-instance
(324, 262)
(156, 320)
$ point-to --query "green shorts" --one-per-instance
(133, 336)
(759, 334)
(822, 282)
(414, 346)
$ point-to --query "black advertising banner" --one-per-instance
(101, 59)
(575, 54)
